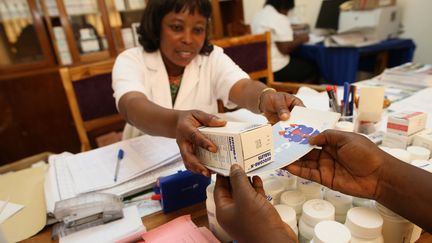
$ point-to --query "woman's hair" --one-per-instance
(150, 26)
(281, 4)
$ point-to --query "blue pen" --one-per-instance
(345, 98)
(120, 156)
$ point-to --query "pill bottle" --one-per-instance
(288, 215)
(331, 232)
(214, 226)
(274, 188)
(340, 201)
(310, 189)
(400, 154)
(396, 229)
(365, 225)
(289, 180)
(314, 211)
(294, 199)
(418, 152)
(362, 202)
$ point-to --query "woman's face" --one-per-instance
(181, 39)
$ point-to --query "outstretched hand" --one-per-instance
(188, 136)
(276, 106)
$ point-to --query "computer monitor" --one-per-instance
(328, 17)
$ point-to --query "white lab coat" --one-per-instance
(205, 80)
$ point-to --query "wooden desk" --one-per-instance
(198, 214)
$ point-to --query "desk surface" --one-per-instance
(198, 214)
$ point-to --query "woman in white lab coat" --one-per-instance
(170, 85)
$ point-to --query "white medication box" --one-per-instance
(249, 145)
(406, 123)
(394, 140)
(424, 139)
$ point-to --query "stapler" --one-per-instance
(84, 211)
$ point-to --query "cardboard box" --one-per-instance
(406, 123)
(371, 4)
(249, 145)
(423, 139)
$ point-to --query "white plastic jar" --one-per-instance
(418, 152)
(396, 229)
(331, 232)
(345, 126)
(274, 188)
(314, 211)
(310, 189)
(289, 180)
(400, 154)
(340, 201)
(214, 226)
(288, 215)
(294, 199)
(365, 225)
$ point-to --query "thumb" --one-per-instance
(241, 187)
(208, 119)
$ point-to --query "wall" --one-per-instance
(416, 19)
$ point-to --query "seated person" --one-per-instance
(274, 18)
(170, 86)
(347, 162)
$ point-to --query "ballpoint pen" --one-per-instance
(119, 158)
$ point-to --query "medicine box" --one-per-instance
(394, 140)
(249, 145)
(423, 139)
(406, 123)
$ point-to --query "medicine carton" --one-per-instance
(406, 123)
(249, 145)
(423, 139)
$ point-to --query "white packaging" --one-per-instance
(288, 215)
(423, 139)
(249, 145)
(406, 123)
(214, 226)
(393, 140)
(310, 189)
(331, 231)
(365, 225)
(294, 199)
(418, 152)
(341, 202)
(314, 211)
(401, 154)
(273, 187)
(395, 227)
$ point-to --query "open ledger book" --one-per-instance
(145, 159)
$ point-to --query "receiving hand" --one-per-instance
(244, 212)
(348, 162)
(276, 106)
(188, 136)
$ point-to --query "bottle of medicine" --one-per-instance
(273, 187)
(418, 152)
(340, 201)
(396, 229)
(289, 180)
(365, 225)
(400, 154)
(314, 211)
(310, 189)
(214, 226)
(295, 200)
(288, 215)
(362, 202)
(328, 231)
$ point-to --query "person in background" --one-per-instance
(274, 18)
(170, 86)
(349, 163)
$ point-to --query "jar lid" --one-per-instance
(287, 214)
(273, 186)
(364, 222)
(418, 152)
(307, 186)
(423, 164)
(317, 210)
(292, 198)
(340, 201)
(400, 154)
(331, 231)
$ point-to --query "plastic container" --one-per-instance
(288, 215)
(365, 225)
(310, 189)
(418, 152)
(273, 187)
(345, 126)
(289, 180)
(331, 232)
(396, 229)
(362, 202)
(294, 199)
(314, 211)
(340, 201)
(401, 154)
(214, 226)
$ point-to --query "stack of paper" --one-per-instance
(411, 74)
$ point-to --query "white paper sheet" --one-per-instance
(8, 209)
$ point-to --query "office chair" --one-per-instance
(90, 97)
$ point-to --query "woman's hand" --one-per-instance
(188, 136)
(276, 106)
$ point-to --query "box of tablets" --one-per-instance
(249, 145)
(406, 123)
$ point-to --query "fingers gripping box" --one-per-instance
(249, 145)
